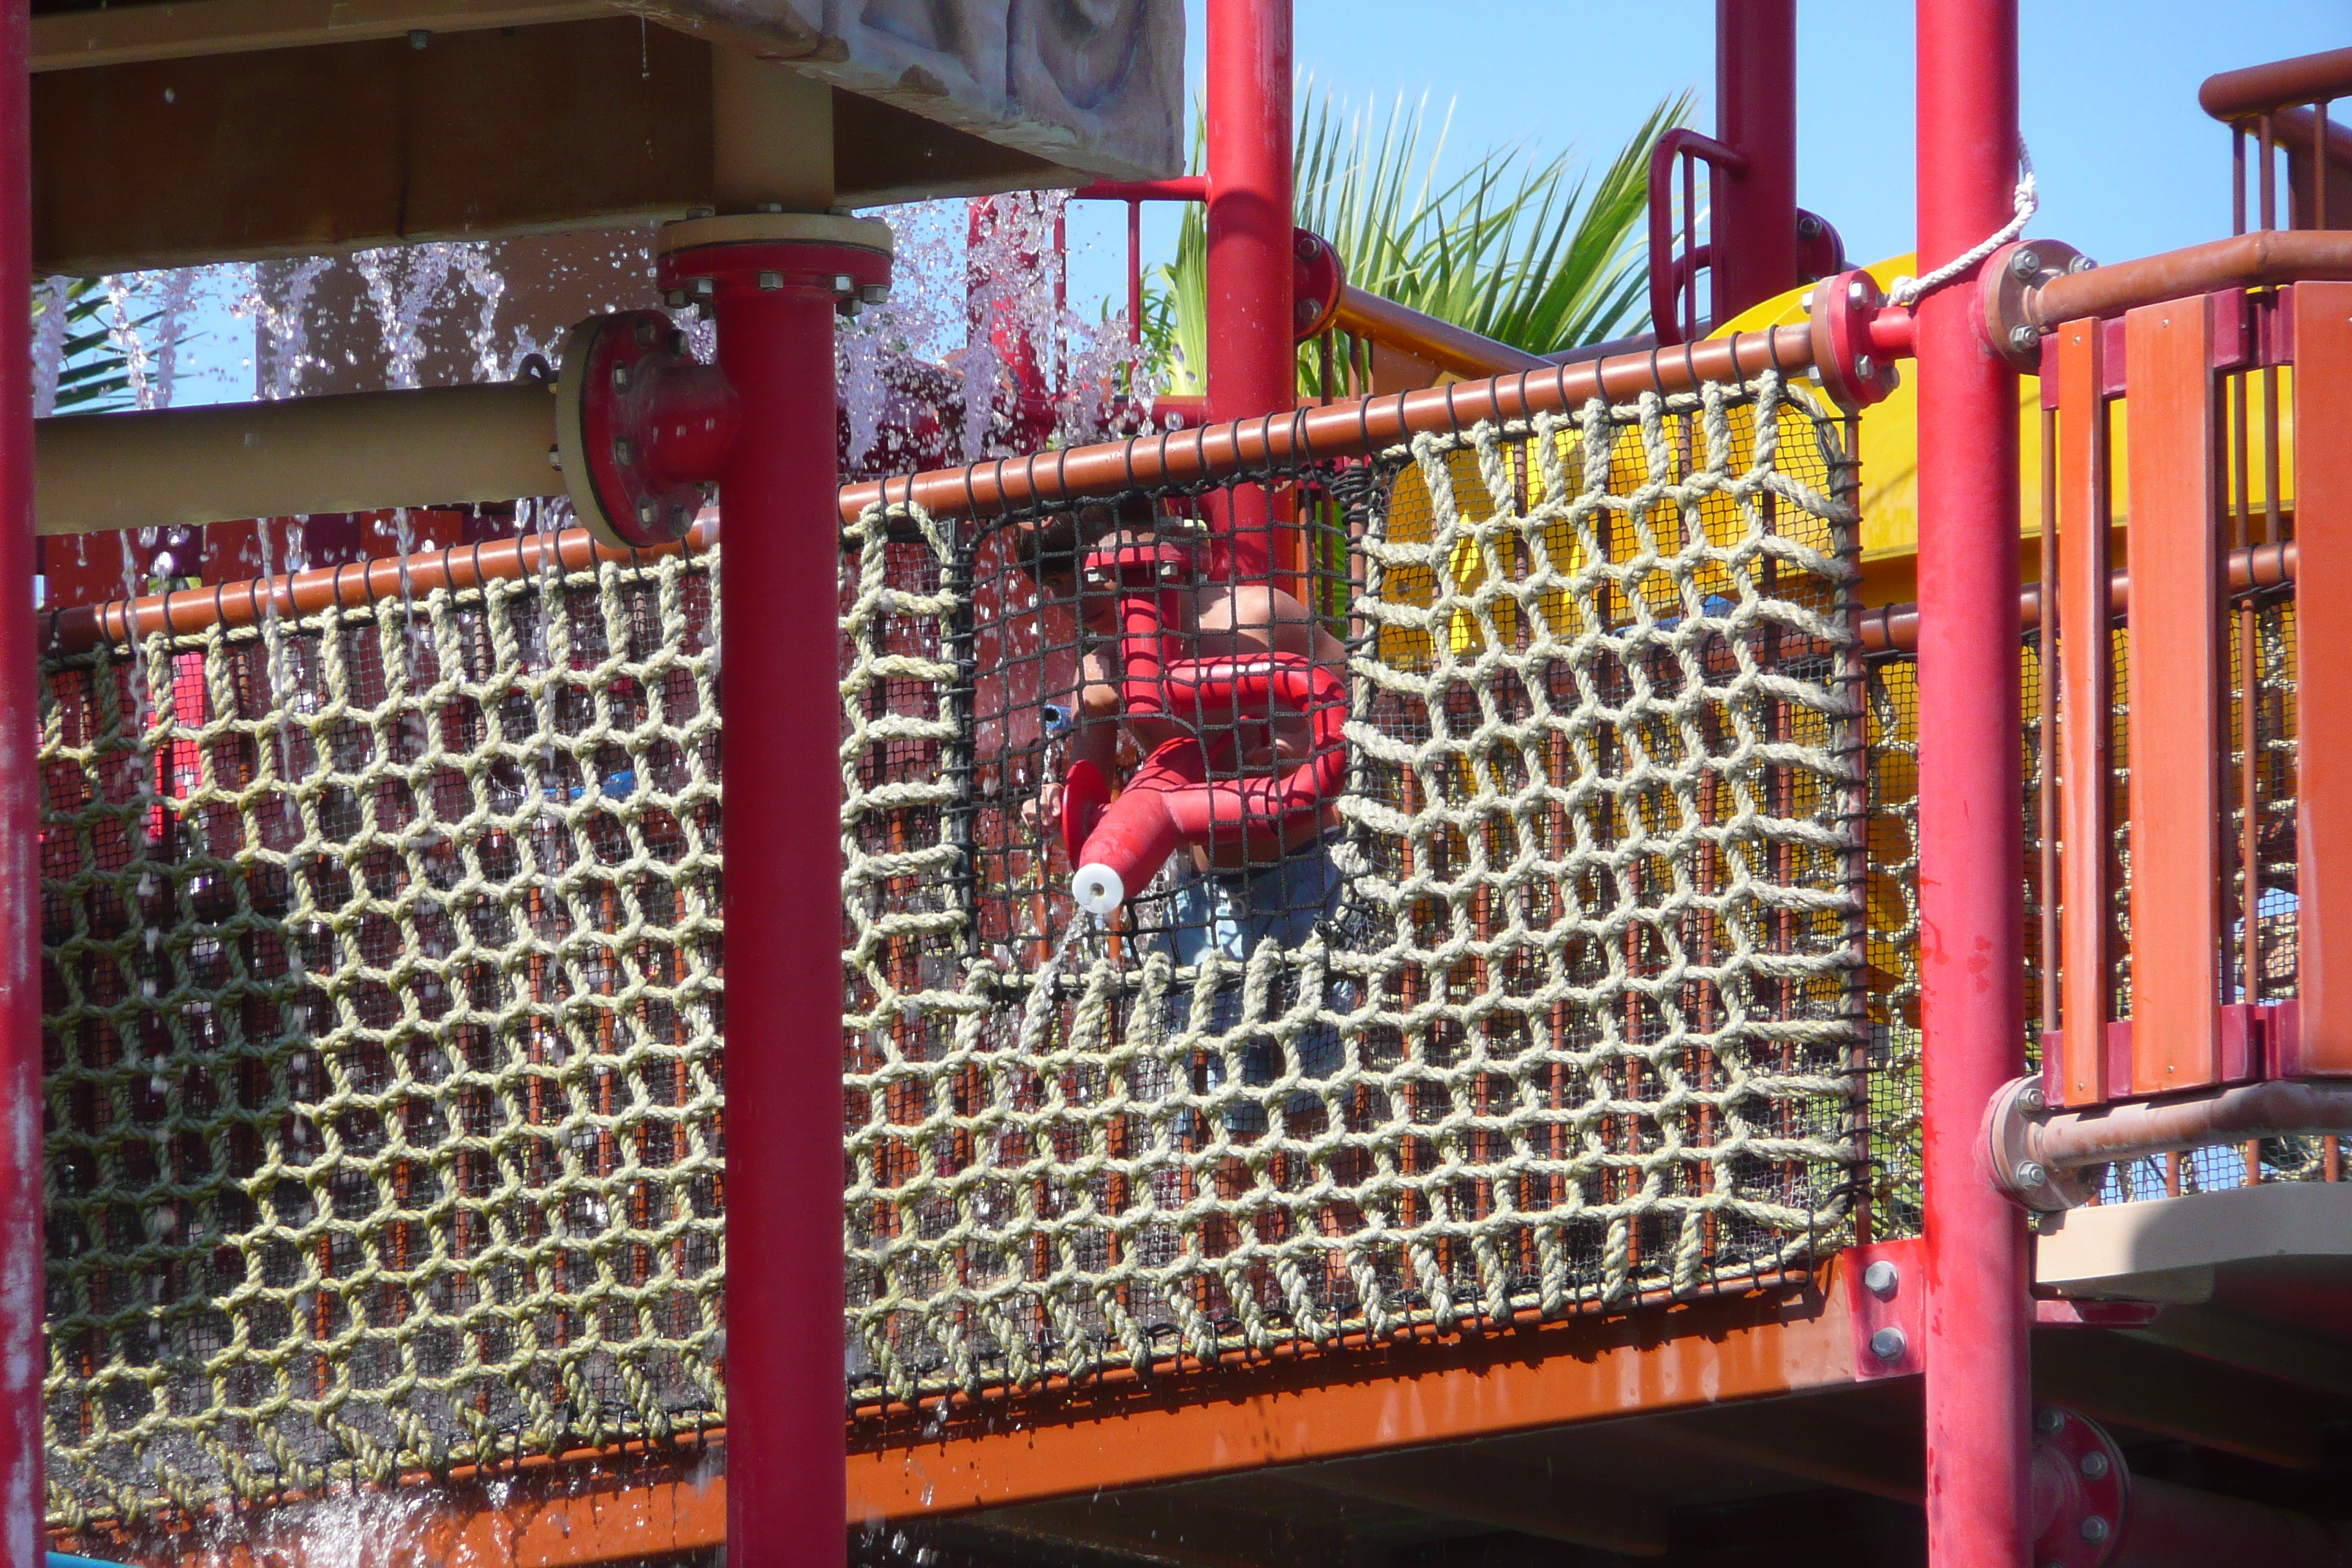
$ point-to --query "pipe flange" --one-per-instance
(1853, 374)
(2005, 282)
(1318, 277)
(2081, 1490)
(640, 428)
(2018, 1167)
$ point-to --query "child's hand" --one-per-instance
(1042, 812)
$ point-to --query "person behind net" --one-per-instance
(1229, 897)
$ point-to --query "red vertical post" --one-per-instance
(1971, 846)
(1252, 361)
(774, 281)
(22, 1361)
(1753, 224)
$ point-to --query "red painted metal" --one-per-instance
(2323, 586)
(1753, 218)
(1252, 365)
(1856, 370)
(2085, 710)
(653, 427)
(21, 1357)
(1182, 188)
(1318, 278)
(1674, 275)
(2178, 666)
(774, 303)
(1885, 1286)
(1972, 949)
(1172, 800)
(2082, 1489)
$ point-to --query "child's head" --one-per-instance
(1053, 548)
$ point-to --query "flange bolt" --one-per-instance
(2095, 1465)
(2024, 264)
(2030, 1175)
(2024, 338)
(1880, 1278)
(2031, 1100)
(2049, 1421)
(1889, 1343)
(2094, 1529)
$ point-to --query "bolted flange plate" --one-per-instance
(2081, 1490)
(1318, 277)
(1851, 372)
(2007, 277)
(640, 427)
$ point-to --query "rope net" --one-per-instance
(1558, 1006)
(382, 963)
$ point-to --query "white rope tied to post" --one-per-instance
(1911, 290)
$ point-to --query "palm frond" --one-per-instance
(1529, 252)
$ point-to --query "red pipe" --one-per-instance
(781, 709)
(1182, 188)
(1971, 838)
(1253, 364)
(1171, 801)
(1754, 218)
(22, 1361)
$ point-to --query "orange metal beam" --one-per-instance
(1330, 1405)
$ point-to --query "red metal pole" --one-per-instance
(1253, 362)
(780, 799)
(22, 1361)
(1753, 226)
(1971, 837)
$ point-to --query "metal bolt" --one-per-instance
(646, 512)
(1307, 309)
(875, 293)
(1864, 367)
(2094, 1530)
(843, 283)
(1308, 247)
(625, 451)
(1808, 226)
(703, 288)
(769, 206)
(418, 38)
(1889, 1343)
(2024, 264)
(620, 378)
(2095, 1465)
(1881, 1279)
(2081, 264)
(2023, 337)
(1168, 570)
(1892, 378)
(2030, 1175)
(555, 459)
(771, 281)
(2050, 1421)
(675, 299)
(1859, 292)
(2031, 1100)
(1805, 302)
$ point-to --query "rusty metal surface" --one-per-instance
(2243, 261)
(2178, 666)
(2254, 89)
(1442, 344)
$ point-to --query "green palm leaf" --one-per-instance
(1531, 252)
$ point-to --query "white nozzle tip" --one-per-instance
(1098, 889)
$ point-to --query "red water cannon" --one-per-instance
(1188, 790)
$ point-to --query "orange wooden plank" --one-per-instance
(2323, 591)
(2177, 668)
(2086, 697)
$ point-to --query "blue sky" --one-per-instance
(2128, 162)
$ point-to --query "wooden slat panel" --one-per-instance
(2086, 699)
(2323, 624)
(2176, 672)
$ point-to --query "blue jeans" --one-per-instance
(1232, 912)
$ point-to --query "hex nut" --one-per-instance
(2024, 264)
(1880, 1278)
(1889, 1343)
(2094, 1529)
(2024, 338)
(2031, 1175)
(2095, 1465)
